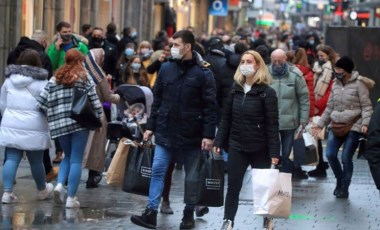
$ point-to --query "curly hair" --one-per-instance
(72, 70)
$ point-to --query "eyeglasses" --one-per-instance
(277, 61)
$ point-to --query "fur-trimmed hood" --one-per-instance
(23, 75)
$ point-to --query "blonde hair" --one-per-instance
(144, 44)
(261, 75)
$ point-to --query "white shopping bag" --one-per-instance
(272, 193)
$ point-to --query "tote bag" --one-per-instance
(272, 193)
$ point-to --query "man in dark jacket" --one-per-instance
(372, 152)
(97, 40)
(183, 119)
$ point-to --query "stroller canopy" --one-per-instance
(136, 94)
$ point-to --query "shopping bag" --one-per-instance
(305, 155)
(116, 170)
(212, 180)
(138, 170)
(362, 147)
(272, 193)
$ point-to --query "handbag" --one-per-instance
(82, 110)
(138, 170)
(305, 151)
(342, 129)
(116, 170)
(212, 181)
(272, 193)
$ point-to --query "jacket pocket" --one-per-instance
(162, 121)
(192, 123)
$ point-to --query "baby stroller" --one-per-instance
(129, 122)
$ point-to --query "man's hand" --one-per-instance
(275, 161)
(58, 43)
(216, 150)
(207, 144)
(148, 135)
(364, 129)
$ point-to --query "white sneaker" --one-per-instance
(59, 194)
(227, 225)
(72, 202)
(268, 223)
(9, 198)
(43, 194)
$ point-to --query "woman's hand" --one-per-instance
(216, 150)
(275, 161)
(315, 130)
(364, 129)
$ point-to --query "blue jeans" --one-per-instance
(73, 146)
(13, 158)
(287, 138)
(162, 158)
(351, 142)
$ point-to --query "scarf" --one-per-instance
(92, 65)
(322, 78)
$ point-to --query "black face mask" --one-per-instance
(96, 42)
(339, 76)
(66, 37)
(321, 62)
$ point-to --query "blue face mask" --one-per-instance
(134, 34)
(136, 67)
(279, 69)
(129, 52)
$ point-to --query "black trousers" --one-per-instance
(238, 162)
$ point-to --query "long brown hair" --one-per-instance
(72, 70)
(129, 75)
(300, 57)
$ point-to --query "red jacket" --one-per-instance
(309, 78)
(322, 103)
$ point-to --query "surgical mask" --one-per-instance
(175, 51)
(321, 62)
(136, 67)
(311, 42)
(129, 52)
(247, 70)
(145, 50)
(339, 76)
(134, 34)
(279, 69)
(66, 37)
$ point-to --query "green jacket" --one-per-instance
(57, 57)
(293, 98)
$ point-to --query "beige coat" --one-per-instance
(95, 150)
(346, 102)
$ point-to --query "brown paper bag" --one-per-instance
(115, 172)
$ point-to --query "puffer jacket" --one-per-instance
(293, 98)
(23, 126)
(184, 106)
(309, 78)
(348, 101)
(250, 121)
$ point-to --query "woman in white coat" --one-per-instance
(24, 127)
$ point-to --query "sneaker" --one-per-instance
(72, 202)
(9, 198)
(201, 211)
(43, 194)
(52, 174)
(59, 194)
(148, 219)
(268, 223)
(187, 220)
(165, 208)
(227, 225)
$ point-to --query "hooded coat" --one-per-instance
(23, 125)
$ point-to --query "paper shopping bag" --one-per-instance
(116, 170)
(272, 193)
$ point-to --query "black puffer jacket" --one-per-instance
(372, 152)
(250, 121)
(184, 106)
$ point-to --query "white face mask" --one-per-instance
(247, 70)
(175, 51)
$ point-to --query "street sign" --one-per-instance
(218, 7)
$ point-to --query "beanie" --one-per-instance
(345, 63)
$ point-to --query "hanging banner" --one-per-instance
(218, 7)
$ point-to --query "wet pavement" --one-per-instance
(106, 207)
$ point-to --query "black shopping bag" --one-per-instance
(361, 147)
(212, 181)
(304, 155)
(138, 170)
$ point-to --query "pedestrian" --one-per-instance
(348, 104)
(127, 53)
(56, 101)
(323, 81)
(38, 41)
(64, 40)
(372, 152)
(96, 155)
(145, 52)
(293, 106)
(24, 127)
(111, 35)
(249, 128)
(135, 73)
(183, 122)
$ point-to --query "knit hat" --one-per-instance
(345, 63)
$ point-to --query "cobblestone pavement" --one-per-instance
(313, 206)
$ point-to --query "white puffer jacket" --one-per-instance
(23, 125)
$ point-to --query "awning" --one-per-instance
(371, 4)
